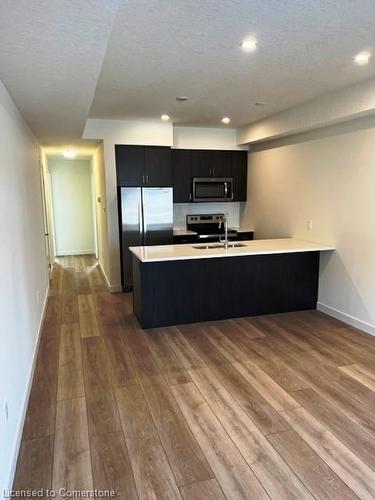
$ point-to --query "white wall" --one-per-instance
(205, 138)
(331, 181)
(72, 205)
(23, 273)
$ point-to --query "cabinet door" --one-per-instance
(202, 162)
(158, 171)
(130, 162)
(181, 173)
(239, 173)
(222, 166)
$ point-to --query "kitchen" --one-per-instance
(176, 271)
(217, 339)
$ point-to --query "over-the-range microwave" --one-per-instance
(212, 189)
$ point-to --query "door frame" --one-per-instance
(47, 189)
(47, 210)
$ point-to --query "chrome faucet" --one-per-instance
(224, 220)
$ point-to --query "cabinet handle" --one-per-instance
(143, 179)
(190, 196)
(146, 179)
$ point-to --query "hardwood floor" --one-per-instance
(278, 406)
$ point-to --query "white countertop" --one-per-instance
(183, 232)
(254, 247)
(243, 229)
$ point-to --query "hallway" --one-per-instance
(277, 406)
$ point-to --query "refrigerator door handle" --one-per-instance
(142, 225)
(140, 219)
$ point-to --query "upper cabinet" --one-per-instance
(148, 166)
(130, 161)
(182, 176)
(222, 165)
(239, 174)
(217, 163)
(159, 166)
(211, 163)
(201, 163)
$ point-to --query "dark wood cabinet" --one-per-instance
(130, 162)
(222, 164)
(148, 166)
(158, 169)
(202, 162)
(239, 174)
(181, 175)
(159, 166)
(185, 239)
(211, 163)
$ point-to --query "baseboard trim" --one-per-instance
(21, 423)
(76, 252)
(346, 318)
(111, 288)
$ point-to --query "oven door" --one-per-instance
(212, 189)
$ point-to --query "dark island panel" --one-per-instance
(186, 291)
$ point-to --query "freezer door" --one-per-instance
(157, 216)
(131, 230)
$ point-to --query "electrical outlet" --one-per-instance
(309, 225)
(38, 297)
(6, 411)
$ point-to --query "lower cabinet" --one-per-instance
(183, 240)
(244, 236)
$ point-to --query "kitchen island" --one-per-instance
(176, 284)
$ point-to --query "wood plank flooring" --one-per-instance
(279, 406)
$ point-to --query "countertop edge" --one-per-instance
(316, 247)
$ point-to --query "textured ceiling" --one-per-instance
(51, 53)
(59, 57)
(160, 49)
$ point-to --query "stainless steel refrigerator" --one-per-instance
(146, 218)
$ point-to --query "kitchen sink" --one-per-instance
(208, 246)
(218, 245)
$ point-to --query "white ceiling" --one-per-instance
(55, 61)
(51, 53)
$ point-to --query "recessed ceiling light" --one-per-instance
(249, 45)
(69, 153)
(165, 118)
(182, 98)
(260, 103)
(362, 58)
(225, 120)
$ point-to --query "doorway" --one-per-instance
(73, 215)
